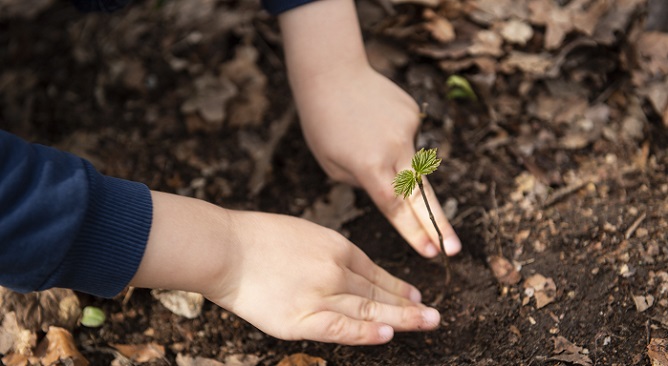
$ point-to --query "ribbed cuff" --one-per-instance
(112, 239)
(275, 7)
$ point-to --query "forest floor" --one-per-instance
(559, 167)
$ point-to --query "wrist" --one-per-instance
(322, 39)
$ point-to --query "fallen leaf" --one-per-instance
(241, 359)
(439, 27)
(40, 310)
(182, 303)
(616, 20)
(182, 360)
(543, 289)
(249, 105)
(15, 338)
(486, 43)
(566, 351)
(262, 152)
(643, 302)
(657, 350)
(490, 11)
(503, 270)
(211, 96)
(301, 359)
(516, 31)
(556, 20)
(141, 352)
(334, 211)
(534, 64)
(59, 346)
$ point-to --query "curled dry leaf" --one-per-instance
(439, 27)
(533, 64)
(516, 31)
(183, 360)
(643, 302)
(543, 289)
(301, 359)
(15, 338)
(182, 303)
(566, 351)
(250, 105)
(657, 350)
(503, 270)
(59, 346)
(141, 352)
(40, 310)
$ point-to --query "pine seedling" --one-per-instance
(424, 162)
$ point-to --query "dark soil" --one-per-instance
(593, 218)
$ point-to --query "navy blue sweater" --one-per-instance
(62, 223)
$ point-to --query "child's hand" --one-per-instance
(359, 125)
(288, 277)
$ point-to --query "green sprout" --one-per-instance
(92, 317)
(424, 162)
(460, 88)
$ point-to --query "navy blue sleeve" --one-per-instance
(63, 224)
(106, 6)
(276, 7)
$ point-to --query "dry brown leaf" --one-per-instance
(616, 20)
(334, 211)
(15, 359)
(486, 43)
(209, 101)
(439, 27)
(14, 337)
(566, 351)
(182, 360)
(141, 352)
(262, 152)
(59, 345)
(657, 350)
(490, 11)
(182, 303)
(543, 289)
(534, 64)
(516, 31)
(301, 359)
(40, 310)
(250, 105)
(556, 20)
(503, 270)
(241, 359)
(643, 302)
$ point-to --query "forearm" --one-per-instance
(321, 37)
(186, 248)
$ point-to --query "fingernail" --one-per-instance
(430, 251)
(415, 295)
(385, 332)
(452, 245)
(431, 316)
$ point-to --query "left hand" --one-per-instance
(360, 126)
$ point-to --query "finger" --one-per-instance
(400, 318)
(450, 240)
(373, 275)
(360, 286)
(399, 212)
(334, 327)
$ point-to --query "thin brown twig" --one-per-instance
(634, 225)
